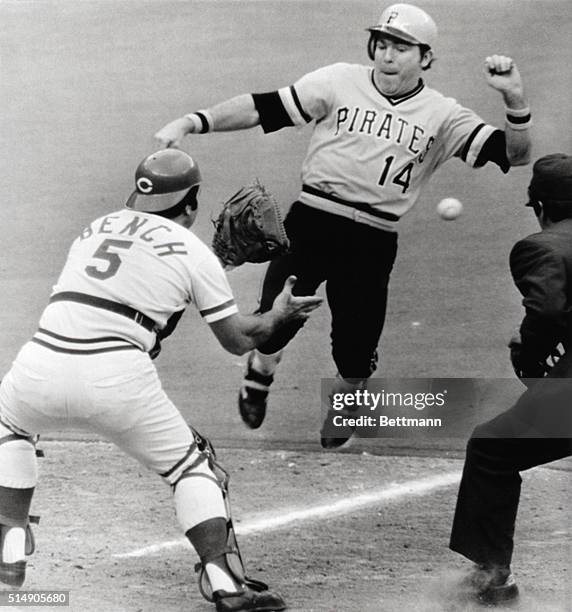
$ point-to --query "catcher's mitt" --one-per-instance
(249, 228)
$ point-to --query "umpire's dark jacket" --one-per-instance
(541, 265)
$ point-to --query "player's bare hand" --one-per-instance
(172, 134)
(290, 307)
(502, 74)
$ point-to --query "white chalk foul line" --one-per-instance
(334, 509)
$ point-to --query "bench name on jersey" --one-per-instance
(384, 125)
(139, 227)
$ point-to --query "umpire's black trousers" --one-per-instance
(355, 261)
(536, 430)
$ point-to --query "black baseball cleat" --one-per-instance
(333, 436)
(330, 443)
(248, 601)
(253, 395)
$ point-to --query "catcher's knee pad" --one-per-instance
(198, 461)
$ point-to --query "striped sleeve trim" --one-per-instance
(475, 143)
(292, 104)
(210, 315)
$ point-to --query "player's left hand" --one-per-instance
(502, 74)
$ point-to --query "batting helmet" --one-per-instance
(408, 23)
(162, 180)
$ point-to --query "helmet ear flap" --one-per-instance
(371, 45)
(191, 198)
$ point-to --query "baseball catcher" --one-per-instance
(249, 228)
(119, 294)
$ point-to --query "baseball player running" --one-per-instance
(128, 277)
(379, 133)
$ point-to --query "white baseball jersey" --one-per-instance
(370, 151)
(149, 264)
(88, 365)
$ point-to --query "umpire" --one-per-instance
(538, 428)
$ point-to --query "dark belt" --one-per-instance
(99, 302)
(357, 205)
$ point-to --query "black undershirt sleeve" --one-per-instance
(273, 115)
(494, 150)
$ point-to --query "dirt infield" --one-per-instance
(85, 84)
(108, 532)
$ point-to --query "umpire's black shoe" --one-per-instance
(495, 594)
(493, 585)
(253, 395)
(248, 601)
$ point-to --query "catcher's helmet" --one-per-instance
(162, 180)
(408, 23)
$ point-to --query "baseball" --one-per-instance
(449, 208)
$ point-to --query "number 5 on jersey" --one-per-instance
(110, 257)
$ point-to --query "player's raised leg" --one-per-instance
(308, 265)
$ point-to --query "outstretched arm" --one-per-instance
(238, 113)
(239, 333)
(502, 74)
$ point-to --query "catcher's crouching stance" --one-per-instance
(128, 278)
(214, 538)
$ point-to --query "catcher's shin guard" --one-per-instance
(229, 553)
(16, 543)
(17, 483)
